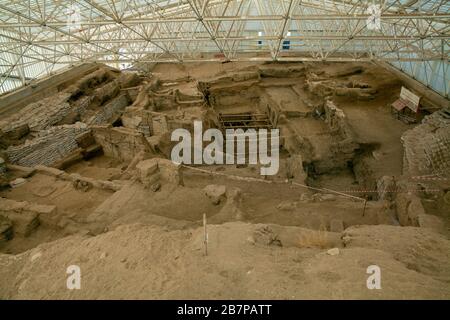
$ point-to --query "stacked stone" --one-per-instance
(111, 110)
(107, 91)
(437, 150)
(144, 129)
(414, 154)
(55, 115)
(427, 146)
(439, 119)
(82, 104)
(40, 115)
(49, 147)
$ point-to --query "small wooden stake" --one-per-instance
(205, 236)
(364, 209)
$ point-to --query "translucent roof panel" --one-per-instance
(40, 36)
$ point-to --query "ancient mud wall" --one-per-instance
(268, 105)
(427, 146)
(120, 142)
(41, 89)
(231, 89)
(51, 146)
(52, 110)
(334, 83)
(139, 119)
(281, 71)
(110, 112)
(53, 126)
(20, 217)
(343, 146)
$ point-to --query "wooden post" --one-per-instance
(205, 235)
(364, 209)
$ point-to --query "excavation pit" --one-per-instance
(88, 173)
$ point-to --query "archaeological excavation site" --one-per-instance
(264, 173)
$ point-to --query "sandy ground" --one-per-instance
(267, 243)
(136, 261)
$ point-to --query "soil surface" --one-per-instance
(279, 237)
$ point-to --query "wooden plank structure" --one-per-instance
(244, 121)
(406, 108)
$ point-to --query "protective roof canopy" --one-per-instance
(40, 36)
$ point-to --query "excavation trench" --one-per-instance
(100, 157)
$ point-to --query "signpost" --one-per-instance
(406, 108)
(412, 99)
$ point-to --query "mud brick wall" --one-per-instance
(154, 170)
(427, 146)
(112, 88)
(39, 115)
(56, 108)
(82, 104)
(321, 88)
(110, 111)
(367, 180)
(268, 105)
(106, 92)
(121, 143)
(48, 112)
(138, 119)
(336, 120)
(281, 71)
(128, 79)
(45, 87)
(343, 148)
(24, 215)
(85, 84)
(52, 145)
(231, 89)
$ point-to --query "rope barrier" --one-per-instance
(252, 179)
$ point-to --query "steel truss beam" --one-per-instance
(36, 38)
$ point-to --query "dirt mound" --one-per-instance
(89, 183)
(137, 261)
(418, 249)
